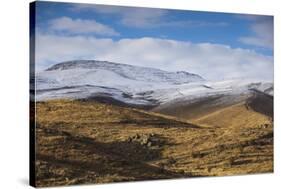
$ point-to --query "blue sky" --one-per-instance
(250, 34)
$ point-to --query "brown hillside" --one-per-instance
(90, 142)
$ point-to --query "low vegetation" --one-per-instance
(80, 142)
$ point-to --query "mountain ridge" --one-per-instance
(120, 68)
(92, 79)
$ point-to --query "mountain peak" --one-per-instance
(76, 64)
(129, 71)
(80, 79)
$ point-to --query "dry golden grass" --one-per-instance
(232, 117)
(89, 142)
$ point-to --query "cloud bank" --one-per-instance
(79, 26)
(212, 61)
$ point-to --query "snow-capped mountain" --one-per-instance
(129, 72)
(132, 84)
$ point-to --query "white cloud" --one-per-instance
(212, 61)
(79, 26)
(141, 17)
(144, 17)
(130, 16)
(263, 32)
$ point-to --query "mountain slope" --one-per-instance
(185, 127)
(134, 85)
(86, 79)
(128, 71)
(199, 108)
(108, 143)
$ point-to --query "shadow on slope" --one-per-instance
(76, 159)
(261, 102)
(193, 109)
(107, 99)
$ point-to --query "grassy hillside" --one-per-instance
(91, 142)
(188, 109)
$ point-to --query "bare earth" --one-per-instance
(80, 142)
